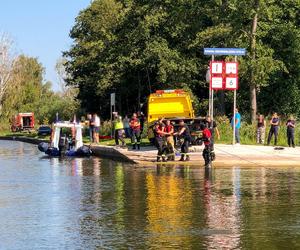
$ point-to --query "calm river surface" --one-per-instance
(101, 204)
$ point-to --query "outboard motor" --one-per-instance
(43, 146)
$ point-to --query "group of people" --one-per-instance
(165, 133)
(261, 129)
(94, 127)
(130, 128)
(274, 130)
(164, 139)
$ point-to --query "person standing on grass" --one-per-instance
(141, 117)
(236, 121)
(261, 130)
(290, 126)
(274, 122)
(135, 127)
(127, 126)
(119, 130)
(91, 127)
(96, 128)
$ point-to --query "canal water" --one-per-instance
(101, 204)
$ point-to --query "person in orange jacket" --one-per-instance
(135, 127)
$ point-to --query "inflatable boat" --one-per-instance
(62, 145)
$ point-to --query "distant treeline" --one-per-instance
(133, 47)
(26, 91)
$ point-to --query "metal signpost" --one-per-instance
(223, 75)
(112, 109)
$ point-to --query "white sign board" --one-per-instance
(113, 99)
(231, 68)
(231, 83)
(216, 82)
(216, 67)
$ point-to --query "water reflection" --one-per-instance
(222, 214)
(89, 203)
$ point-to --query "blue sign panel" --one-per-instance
(225, 51)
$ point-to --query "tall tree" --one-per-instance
(7, 60)
(132, 47)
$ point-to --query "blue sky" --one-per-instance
(40, 28)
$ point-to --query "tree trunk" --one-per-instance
(139, 92)
(253, 101)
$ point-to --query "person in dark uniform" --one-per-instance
(159, 133)
(274, 122)
(206, 137)
(212, 126)
(184, 133)
(290, 130)
(141, 117)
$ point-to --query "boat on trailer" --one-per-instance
(63, 145)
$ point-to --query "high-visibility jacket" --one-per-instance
(119, 124)
(206, 135)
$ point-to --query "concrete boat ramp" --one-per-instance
(226, 155)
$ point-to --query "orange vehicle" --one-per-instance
(22, 122)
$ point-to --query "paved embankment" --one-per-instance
(227, 155)
(23, 139)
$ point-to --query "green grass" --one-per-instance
(248, 134)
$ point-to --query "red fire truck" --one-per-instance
(22, 122)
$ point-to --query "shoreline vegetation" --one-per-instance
(133, 48)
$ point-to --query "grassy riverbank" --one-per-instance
(248, 134)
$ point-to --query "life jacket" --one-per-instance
(206, 135)
(135, 124)
(158, 131)
(169, 128)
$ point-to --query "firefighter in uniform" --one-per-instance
(206, 137)
(169, 131)
(184, 133)
(212, 126)
(135, 127)
(159, 132)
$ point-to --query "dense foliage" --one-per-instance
(27, 92)
(133, 47)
